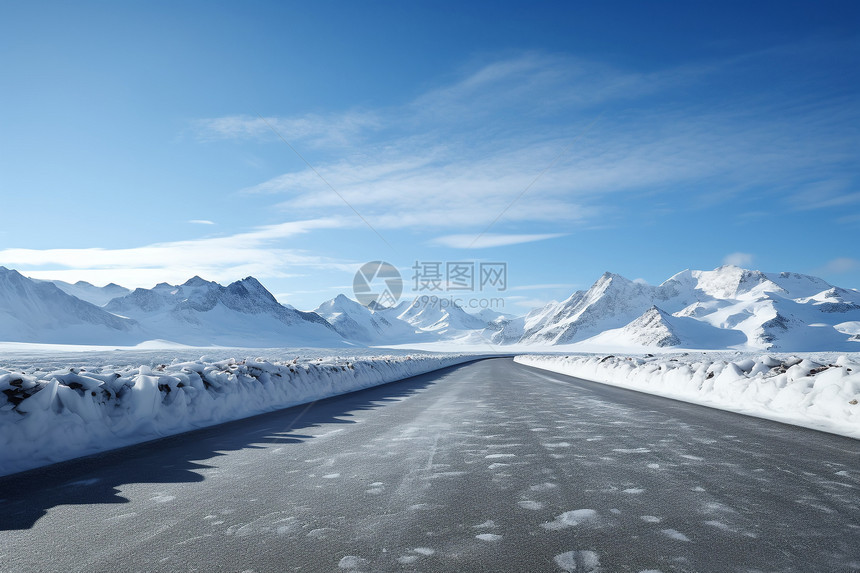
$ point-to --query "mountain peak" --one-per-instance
(249, 280)
(375, 306)
(656, 310)
(252, 285)
(608, 275)
(653, 328)
(39, 311)
(609, 278)
(733, 282)
(340, 303)
(243, 313)
(196, 281)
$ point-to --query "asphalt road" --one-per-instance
(490, 466)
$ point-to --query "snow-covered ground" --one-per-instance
(820, 391)
(62, 406)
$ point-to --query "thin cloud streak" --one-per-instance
(491, 240)
(256, 252)
(312, 129)
(841, 265)
(445, 145)
(738, 259)
(548, 286)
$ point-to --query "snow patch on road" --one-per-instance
(351, 562)
(415, 554)
(532, 505)
(578, 562)
(425, 551)
(675, 534)
(571, 519)
(546, 486)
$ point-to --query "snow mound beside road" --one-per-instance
(50, 416)
(815, 391)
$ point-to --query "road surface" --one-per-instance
(490, 466)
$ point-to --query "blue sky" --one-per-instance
(565, 139)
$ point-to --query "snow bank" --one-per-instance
(821, 392)
(48, 416)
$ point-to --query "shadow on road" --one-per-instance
(27, 496)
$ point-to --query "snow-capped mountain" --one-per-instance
(37, 311)
(359, 323)
(505, 329)
(656, 328)
(440, 316)
(729, 307)
(611, 302)
(489, 315)
(88, 292)
(201, 312)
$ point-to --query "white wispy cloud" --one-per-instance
(490, 240)
(545, 286)
(311, 129)
(525, 304)
(738, 259)
(447, 164)
(841, 265)
(461, 154)
(550, 83)
(257, 252)
(201, 222)
(829, 194)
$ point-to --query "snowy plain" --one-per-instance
(56, 406)
(814, 390)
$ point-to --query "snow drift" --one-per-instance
(821, 392)
(49, 416)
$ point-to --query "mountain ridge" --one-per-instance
(725, 308)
